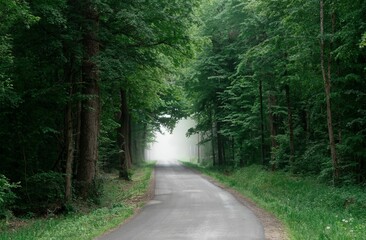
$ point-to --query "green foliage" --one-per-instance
(7, 196)
(363, 41)
(275, 44)
(142, 44)
(88, 222)
(44, 191)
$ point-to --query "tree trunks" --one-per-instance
(261, 122)
(220, 146)
(272, 125)
(290, 123)
(90, 109)
(69, 151)
(69, 139)
(124, 137)
(198, 148)
(326, 73)
(213, 138)
(138, 141)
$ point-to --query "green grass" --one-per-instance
(119, 201)
(309, 210)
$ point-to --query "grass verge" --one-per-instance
(309, 210)
(119, 202)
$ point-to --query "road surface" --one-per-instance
(188, 207)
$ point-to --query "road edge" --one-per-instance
(145, 198)
(273, 228)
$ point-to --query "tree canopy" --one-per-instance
(85, 84)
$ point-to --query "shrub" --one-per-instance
(7, 196)
(45, 193)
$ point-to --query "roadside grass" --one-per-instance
(119, 201)
(309, 209)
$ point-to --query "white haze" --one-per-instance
(174, 146)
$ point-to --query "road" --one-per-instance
(188, 207)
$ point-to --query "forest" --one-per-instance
(282, 84)
(84, 85)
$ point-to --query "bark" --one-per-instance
(213, 145)
(138, 141)
(326, 73)
(233, 149)
(220, 147)
(262, 121)
(273, 128)
(89, 129)
(307, 123)
(198, 148)
(77, 137)
(143, 144)
(69, 124)
(124, 137)
(290, 123)
(69, 151)
(242, 162)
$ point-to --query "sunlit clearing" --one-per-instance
(174, 146)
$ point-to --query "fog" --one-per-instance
(174, 146)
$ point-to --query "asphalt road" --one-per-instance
(188, 207)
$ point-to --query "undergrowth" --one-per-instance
(119, 201)
(309, 209)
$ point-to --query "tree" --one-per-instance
(326, 73)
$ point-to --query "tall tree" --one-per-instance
(326, 73)
(90, 109)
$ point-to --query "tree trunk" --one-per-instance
(137, 141)
(327, 85)
(241, 155)
(220, 146)
(233, 149)
(89, 129)
(124, 138)
(307, 124)
(69, 140)
(213, 145)
(273, 127)
(198, 148)
(290, 124)
(69, 151)
(262, 122)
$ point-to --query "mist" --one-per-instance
(175, 145)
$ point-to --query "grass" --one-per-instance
(309, 209)
(119, 202)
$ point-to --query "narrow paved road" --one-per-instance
(188, 207)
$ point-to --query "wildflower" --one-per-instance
(328, 227)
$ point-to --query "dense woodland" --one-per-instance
(282, 83)
(85, 84)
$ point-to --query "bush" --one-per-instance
(7, 197)
(45, 193)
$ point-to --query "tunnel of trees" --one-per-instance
(85, 84)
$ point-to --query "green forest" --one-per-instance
(84, 85)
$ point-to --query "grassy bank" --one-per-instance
(119, 201)
(309, 210)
